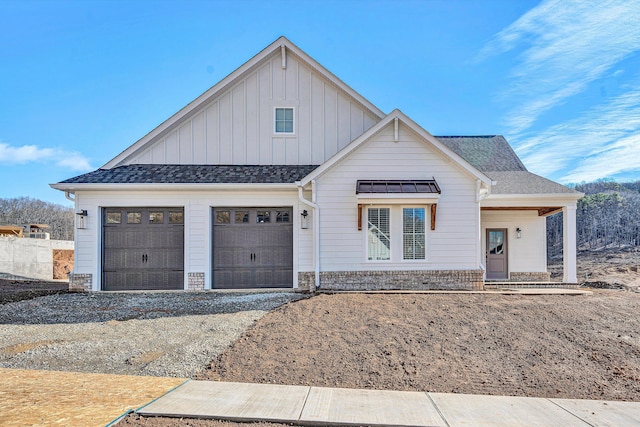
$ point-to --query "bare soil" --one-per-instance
(18, 290)
(62, 263)
(579, 347)
(612, 268)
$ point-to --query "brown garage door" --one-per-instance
(143, 249)
(252, 248)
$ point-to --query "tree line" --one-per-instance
(25, 210)
(607, 216)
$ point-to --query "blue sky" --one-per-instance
(82, 80)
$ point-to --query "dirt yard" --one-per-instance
(614, 268)
(581, 347)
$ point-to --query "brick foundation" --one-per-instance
(80, 282)
(530, 276)
(195, 281)
(393, 280)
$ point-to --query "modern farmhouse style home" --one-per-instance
(281, 175)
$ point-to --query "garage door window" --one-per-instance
(114, 218)
(263, 217)
(223, 217)
(176, 218)
(156, 217)
(133, 217)
(242, 217)
(282, 216)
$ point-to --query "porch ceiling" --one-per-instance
(542, 210)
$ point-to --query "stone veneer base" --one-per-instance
(471, 280)
(195, 281)
(80, 282)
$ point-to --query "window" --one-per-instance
(242, 217)
(114, 217)
(223, 217)
(378, 240)
(156, 217)
(134, 217)
(413, 233)
(282, 216)
(263, 217)
(176, 218)
(284, 120)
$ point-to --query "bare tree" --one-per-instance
(24, 210)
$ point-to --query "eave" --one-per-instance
(72, 188)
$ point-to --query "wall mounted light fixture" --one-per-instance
(518, 233)
(303, 223)
(81, 221)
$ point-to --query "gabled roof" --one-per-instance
(486, 153)
(203, 100)
(525, 182)
(194, 174)
(399, 115)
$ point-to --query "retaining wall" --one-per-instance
(29, 258)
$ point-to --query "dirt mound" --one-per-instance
(62, 263)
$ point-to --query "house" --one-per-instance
(281, 175)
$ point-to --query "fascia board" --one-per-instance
(398, 199)
(532, 200)
(172, 187)
(381, 125)
(229, 80)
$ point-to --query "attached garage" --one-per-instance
(252, 248)
(143, 249)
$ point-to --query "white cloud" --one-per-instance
(34, 154)
(603, 142)
(567, 44)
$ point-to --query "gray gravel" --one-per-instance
(161, 334)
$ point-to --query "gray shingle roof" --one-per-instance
(524, 182)
(195, 174)
(485, 153)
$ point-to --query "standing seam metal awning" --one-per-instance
(424, 191)
(397, 186)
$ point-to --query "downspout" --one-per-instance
(316, 229)
(68, 196)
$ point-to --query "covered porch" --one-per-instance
(514, 240)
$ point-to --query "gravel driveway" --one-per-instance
(162, 334)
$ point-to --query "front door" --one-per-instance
(497, 254)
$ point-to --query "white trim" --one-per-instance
(70, 187)
(293, 125)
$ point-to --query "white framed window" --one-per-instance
(378, 234)
(284, 120)
(413, 233)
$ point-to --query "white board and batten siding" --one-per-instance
(237, 125)
(528, 253)
(197, 224)
(454, 244)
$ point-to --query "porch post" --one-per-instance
(569, 244)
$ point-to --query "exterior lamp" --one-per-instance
(81, 222)
(304, 224)
(518, 233)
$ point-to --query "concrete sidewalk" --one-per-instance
(339, 406)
